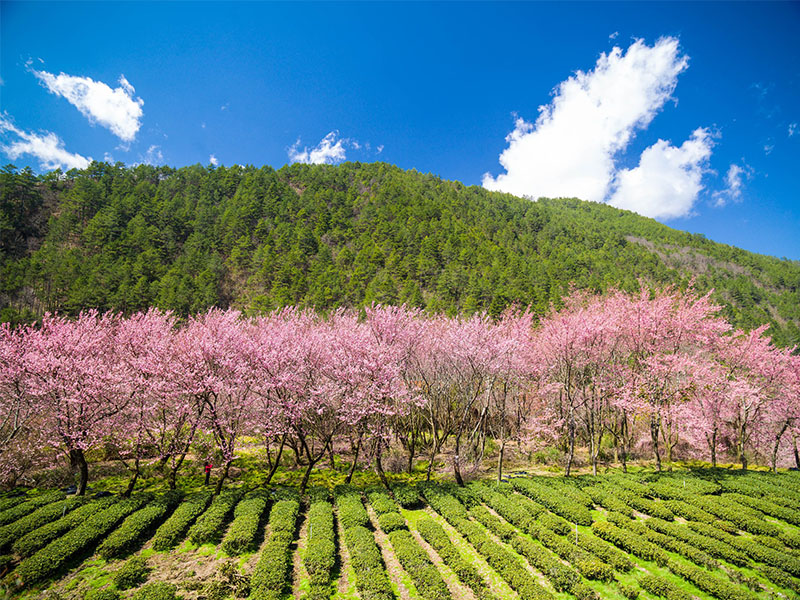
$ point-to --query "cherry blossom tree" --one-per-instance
(78, 382)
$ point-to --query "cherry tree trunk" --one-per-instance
(776, 446)
(222, 478)
(411, 452)
(77, 461)
(132, 481)
(500, 461)
(352, 470)
(796, 452)
(379, 470)
(571, 438)
(277, 462)
(457, 463)
(654, 427)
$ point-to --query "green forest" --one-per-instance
(321, 236)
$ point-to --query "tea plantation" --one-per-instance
(680, 535)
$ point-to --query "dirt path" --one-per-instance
(457, 589)
(394, 569)
(344, 587)
(496, 583)
(299, 573)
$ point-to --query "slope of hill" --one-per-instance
(324, 236)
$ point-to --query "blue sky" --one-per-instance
(693, 119)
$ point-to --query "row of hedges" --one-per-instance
(320, 555)
(209, 525)
(603, 497)
(20, 510)
(664, 541)
(38, 518)
(505, 563)
(745, 518)
(711, 545)
(247, 516)
(271, 574)
(658, 586)
(137, 525)
(39, 538)
(351, 508)
(437, 537)
(768, 556)
(173, 529)
(561, 576)
(416, 563)
(690, 512)
(712, 585)
(571, 510)
(644, 505)
(389, 519)
(406, 495)
(365, 556)
(12, 501)
(588, 565)
(630, 542)
(57, 553)
(790, 515)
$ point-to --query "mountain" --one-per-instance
(112, 237)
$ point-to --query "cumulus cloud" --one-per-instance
(213, 160)
(115, 109)
(667, 180)
(47, 147)
(734, 182)
(571, 148)
(792, 129)
(329, 151)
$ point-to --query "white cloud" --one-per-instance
(213, 160)
(380, 149)
(734, 182)
(328, 151)
(107, 157)
(47, 147)
(614, 35)
(792, 129)
(768, 148)
(115, 109)
(570, 149)
(153, 156)
(667, 180)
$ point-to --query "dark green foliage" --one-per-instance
(318, 494)
(631, 592)
(406, 495)
(711, 584)
(416, 563)
(658, 586)
(157, 590)
(191, 238)
(790, 515)
(229, 582)
(39, 538)
(711, 545)
(55, 555)
(38, 518)
(391, 521)
(559, 503)
(246, 518)
(209, 526)
(136, 526)
(350, 508)
(20, 510)
(630, 542)
(759, 552)
(437, 537)
(320, 555)
(174, 528)
(365, 558)
(271, 574)
(666, 542)
(133, 573)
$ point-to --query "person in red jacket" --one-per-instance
(208, 470)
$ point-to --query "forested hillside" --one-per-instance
(186, 239)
